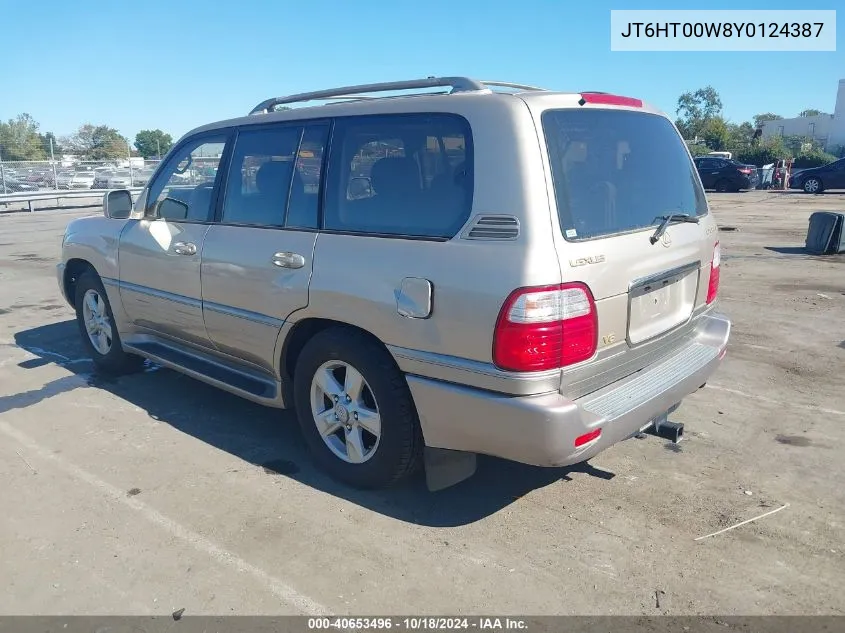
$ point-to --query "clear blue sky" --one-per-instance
(176, 64)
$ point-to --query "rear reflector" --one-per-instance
(545, 327)
(713, 286)
(587, 437)
(605, 99)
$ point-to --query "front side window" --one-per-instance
(184, 188)
(616, 171)
(405, 175)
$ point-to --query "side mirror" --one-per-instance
(172, 209)
(359, 187)
(117, 204)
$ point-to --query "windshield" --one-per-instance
(616, 171)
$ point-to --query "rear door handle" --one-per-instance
(288, 260)
(185, 248)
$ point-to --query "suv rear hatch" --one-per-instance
(634, 228)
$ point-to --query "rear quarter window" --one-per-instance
(617, 171)
(400, 175)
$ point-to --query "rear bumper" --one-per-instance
(541, 430)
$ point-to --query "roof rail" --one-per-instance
(507, 84)
(458, 84)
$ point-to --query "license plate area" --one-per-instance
(662, 302)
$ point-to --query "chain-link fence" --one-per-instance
(34, 176)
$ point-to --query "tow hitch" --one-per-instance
(662, 427)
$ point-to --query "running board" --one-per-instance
(239, 381)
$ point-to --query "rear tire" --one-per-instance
(98, 330)
(372, 438)
(723, 186)
(813, 185)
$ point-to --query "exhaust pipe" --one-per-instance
(672, 431)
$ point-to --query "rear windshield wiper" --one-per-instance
(671, 219)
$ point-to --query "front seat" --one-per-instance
(396, 182)
(272, 181)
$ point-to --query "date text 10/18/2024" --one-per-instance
(422, 623)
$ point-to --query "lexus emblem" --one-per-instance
(666, 239)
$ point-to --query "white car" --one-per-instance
(81, 180)
(63, 179)
(120, 180)
(141, 177)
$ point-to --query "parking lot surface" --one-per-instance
(154, 492)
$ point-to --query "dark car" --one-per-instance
(13, 185)
(818, 179)
(724, 175)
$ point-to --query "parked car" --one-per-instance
(81, 180)
(724, 175)
(141, 177)
(13, 185)
(41, 178)
(101, 179)
(548, 292)
(819, 179)
(119, 180)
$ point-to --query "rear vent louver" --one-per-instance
(493, 227)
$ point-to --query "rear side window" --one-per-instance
(260, 176)
(400, 175)
(616, 171)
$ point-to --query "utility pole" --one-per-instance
(53, 162)
(129, 155)
(2, 173)
(158, 145)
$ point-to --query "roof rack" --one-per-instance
(507, 84)
(458, 84)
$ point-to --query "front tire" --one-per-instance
(97, 327)
(355, 409)
(813, 185)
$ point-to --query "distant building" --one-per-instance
(827, 129)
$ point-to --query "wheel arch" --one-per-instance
(303, 331)
(74, 269)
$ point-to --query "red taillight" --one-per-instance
(545, 327)
(713, 286)
(587, 437)
(745, 170)
(605, 99)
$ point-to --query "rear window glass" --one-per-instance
(616, 171)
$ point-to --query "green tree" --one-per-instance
(695, 109)
(741, 136)
(98, 142)
(698, 149)
(812, 158)
(759, 119)
(764, 152)
(46, 140)
(810, 112)
(153, 143)
(716, 134)
(19, 139)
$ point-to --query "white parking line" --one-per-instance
(280, 589)
(780, 403)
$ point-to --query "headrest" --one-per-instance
(395, 176)
(273, 176)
